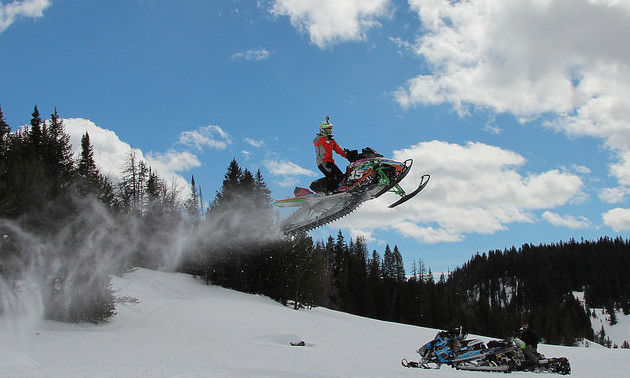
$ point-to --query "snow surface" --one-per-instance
(171, 325)
(617, 333)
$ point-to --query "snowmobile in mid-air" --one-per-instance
(453, 349)
(369, 175)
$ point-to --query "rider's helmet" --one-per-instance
(325, 128)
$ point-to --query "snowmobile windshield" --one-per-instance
(368, 152)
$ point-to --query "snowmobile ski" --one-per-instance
(409, 364)
(417, 364)
(424, 180)
(489, 367)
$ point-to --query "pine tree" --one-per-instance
(389, 265)
(245, 191)
(422, 271)
(225, 197)
(131, 188)
(375, 283)
(35, 134)
(612, 315)
(307, 273)
(58, 152)
(361, 300)
(263, 202)
(262, 192)
(90, 182)
(7, 196)
(87, 172)
(341, 273)
(399, 267)
(192, 204)
(5, 130)
(26, 172)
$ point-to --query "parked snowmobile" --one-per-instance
(509, 352)
(369, 175)
(448, 347)
(506, 355)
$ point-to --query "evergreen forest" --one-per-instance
(65, 228)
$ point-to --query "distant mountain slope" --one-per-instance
(535, 282)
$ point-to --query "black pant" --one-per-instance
(333, 175)
(531, 354)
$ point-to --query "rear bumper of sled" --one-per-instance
(290, 202)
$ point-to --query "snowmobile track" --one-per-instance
(357, 200)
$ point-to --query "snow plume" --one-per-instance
(240, 228)
(63, 274)
(53, 273)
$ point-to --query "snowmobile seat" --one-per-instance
(300, 192)
(474, 344)
(499, 344)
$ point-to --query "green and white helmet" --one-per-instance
(325, 128)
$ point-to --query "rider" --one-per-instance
(531, 343)
(324, 147)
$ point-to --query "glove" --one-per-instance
(351, 155)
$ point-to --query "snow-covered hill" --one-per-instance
(170, 325)
(617, 333)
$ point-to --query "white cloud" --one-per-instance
(286, 168)
(561, 58)
(403, 46)
(246, 154)
(19, 9)
(566, 220)
(209, 136)
(474, 188)
(332, 21)
(492, 129)
(582, 169)
(254, 143)
(253, 54)
(367, 236)
(618, 219)
(613, 195)
(289, 182)
(172, 161)
(621, 169)
(110, 153)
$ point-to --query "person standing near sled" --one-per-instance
(325, 144)
(531, 343)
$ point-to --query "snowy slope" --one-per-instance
(617, 333)
(182, 328)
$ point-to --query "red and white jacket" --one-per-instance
(324, 148)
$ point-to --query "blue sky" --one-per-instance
(519, 110)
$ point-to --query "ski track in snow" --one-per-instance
(183, 328)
